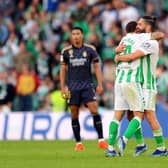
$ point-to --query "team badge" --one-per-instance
(84, 54)
(70, 53)
(61, 58)
(146, 45)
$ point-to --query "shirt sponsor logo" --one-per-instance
(78, 62)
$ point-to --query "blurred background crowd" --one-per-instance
(33, 32)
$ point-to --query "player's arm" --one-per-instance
(144, 49)
(157, 35)
(63, 69)
(98, 74)
(62, 76)
(129, 57)
(120, 48)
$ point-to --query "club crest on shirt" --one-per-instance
(146, 45)
(84, 54)
(61, 58)
(70, 53)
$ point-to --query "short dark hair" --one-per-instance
(151, 20)
(77, 28)
(131, 26)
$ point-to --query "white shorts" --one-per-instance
(149, 99)
(128, 96)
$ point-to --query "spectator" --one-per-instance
(26, 86)
(42, 64)
(23, 57)
(127, 13)
(4, 33)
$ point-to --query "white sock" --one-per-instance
(102, 139)
(162, 148)
(79, 143)
(110, 147)
(140, 144)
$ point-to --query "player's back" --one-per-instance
(131, 71)
(131, 41)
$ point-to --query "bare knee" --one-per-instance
(118, 115)
(93, 107)
(139, 115)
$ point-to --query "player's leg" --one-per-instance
(89, 98)
(120, 106)
(150, 99)
(97, 122)
(157, 133)
(141, 146)
(138, 134)
(134, 95)
(74, 103)
(113, 132)
(76, 126)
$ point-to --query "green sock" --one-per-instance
(113, 131)
(139, 136)
(132, 127)
(158, 134)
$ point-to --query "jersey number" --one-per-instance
(128, 50)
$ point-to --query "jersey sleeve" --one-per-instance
(147, 47)
(94, 54)
(64, 58)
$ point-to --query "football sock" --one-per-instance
(98, 125)
(76, 129)
(139, 136)
(132, 127)
(113, 131)
(158, 134)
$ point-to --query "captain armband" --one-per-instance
(96, 60)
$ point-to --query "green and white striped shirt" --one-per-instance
(131, 71)
(151, 50)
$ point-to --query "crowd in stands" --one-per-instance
(33, 33)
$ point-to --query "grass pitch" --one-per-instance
(61, 154)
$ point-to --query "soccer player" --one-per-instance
(76, 60)
(149, 49)
(127, 83)
(128, 92)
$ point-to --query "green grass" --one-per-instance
(61, 154)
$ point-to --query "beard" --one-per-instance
(140, 30)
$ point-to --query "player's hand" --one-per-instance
(120, 48)
(66, 94)
(99, 89)
(116, 59)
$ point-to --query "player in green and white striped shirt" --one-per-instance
(149, 49)
(128, 91)
(130, 71)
